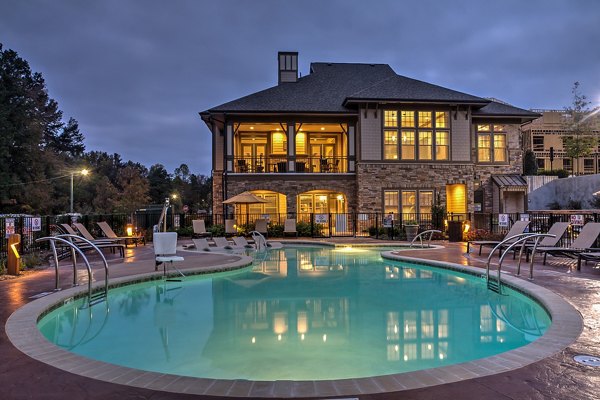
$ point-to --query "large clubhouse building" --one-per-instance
(360, 138)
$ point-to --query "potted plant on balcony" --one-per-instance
(411, 228)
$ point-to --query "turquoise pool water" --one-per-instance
(301, 314)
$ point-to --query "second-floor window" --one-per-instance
(491, 143)
(416, 135)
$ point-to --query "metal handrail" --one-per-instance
(514, 240)
(261, 238)
(68, 240)
(420, 237)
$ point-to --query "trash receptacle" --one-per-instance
(455, 229)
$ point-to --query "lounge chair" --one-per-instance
(557, 229)
(583, 243)
(199, 228)
(109, 233)
(230, 227)
(165, 247)
(241, 241)
(201, 244)
(517, 228)
(289, 226)
(222, 244)
(102, 244)
(260, 226)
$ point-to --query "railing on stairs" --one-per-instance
(421, 235)
(510, 243)
(67, 240)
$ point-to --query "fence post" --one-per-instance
(491, 229)
(312, 221)
(376, 225)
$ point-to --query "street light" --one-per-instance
(83, 172)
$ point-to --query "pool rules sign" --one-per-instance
(36, 224)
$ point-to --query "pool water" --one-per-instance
(301, 314)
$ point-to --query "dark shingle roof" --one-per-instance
(398, 87)
(496, 108)
(332, 87)
(324, 90)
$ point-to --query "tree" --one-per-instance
(529, 163)
(134, 190)
(34, 141)
(160, 183)
(579, 140)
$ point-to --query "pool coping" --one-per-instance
(567, 325)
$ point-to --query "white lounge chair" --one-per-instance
(289, 226)
(230, 227)
(199, 228)
(260, 226)
(165, 248)
(241, 241)
(517, 228)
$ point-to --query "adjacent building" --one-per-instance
(544, 136)
(360, 138)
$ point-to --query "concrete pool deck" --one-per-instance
(555, 377)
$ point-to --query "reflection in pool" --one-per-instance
(301, 314)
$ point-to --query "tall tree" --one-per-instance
(579, 140)
(160, 183)
(134, 190)
(31, 134)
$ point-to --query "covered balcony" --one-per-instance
(316, 148)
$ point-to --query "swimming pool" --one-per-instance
(301, 314)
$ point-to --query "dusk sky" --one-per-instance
(135, 74)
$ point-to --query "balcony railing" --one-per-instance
(279, 164)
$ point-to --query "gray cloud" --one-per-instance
(135, 74)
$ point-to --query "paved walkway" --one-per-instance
(557, 377)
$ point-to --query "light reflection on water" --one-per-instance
(301, 313)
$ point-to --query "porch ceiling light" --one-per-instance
(322, 128)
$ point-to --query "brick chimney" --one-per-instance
(287, 66)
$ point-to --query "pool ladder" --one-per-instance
(67, 239)
(421, 235)
(259, 240)
(512, 242)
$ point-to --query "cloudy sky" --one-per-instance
(135, 74)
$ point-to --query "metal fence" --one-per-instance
(316, 225)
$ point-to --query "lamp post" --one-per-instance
(83, 172)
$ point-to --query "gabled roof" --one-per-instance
(336, 87)
(324, 90)
(497, 108)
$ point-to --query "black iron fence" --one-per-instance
(316, 225)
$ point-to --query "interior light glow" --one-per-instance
(279, 338)
(324, 337)
(253, 339)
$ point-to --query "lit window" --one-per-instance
(441, 120)
(442, 151)
(409, 203)
(483, 146)
(278, 143)
(390, 118)
(390, 201)
(499, 147)
(425, 119)
(425, 145)
(407, 119)
(390, 145)
(408, 145)
(301, 143)
(431, 141)
(491, 143)
(425, 201)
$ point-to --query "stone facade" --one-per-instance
(217, 192)
(291, 185)
(374, 178)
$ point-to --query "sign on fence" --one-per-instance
(503, 220)
(176, 221)
(36, 224)
(524, 217)
(577, 220)
(320, 218)
(388, 220)
(9, 226)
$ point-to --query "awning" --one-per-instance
(510, 183)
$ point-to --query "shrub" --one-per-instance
(217, 230)
(574, 204)
(482, 234)
(275, 230)
(561, 173)
(303, 229)
(31, 260)
(554, 205)
(185, 231)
